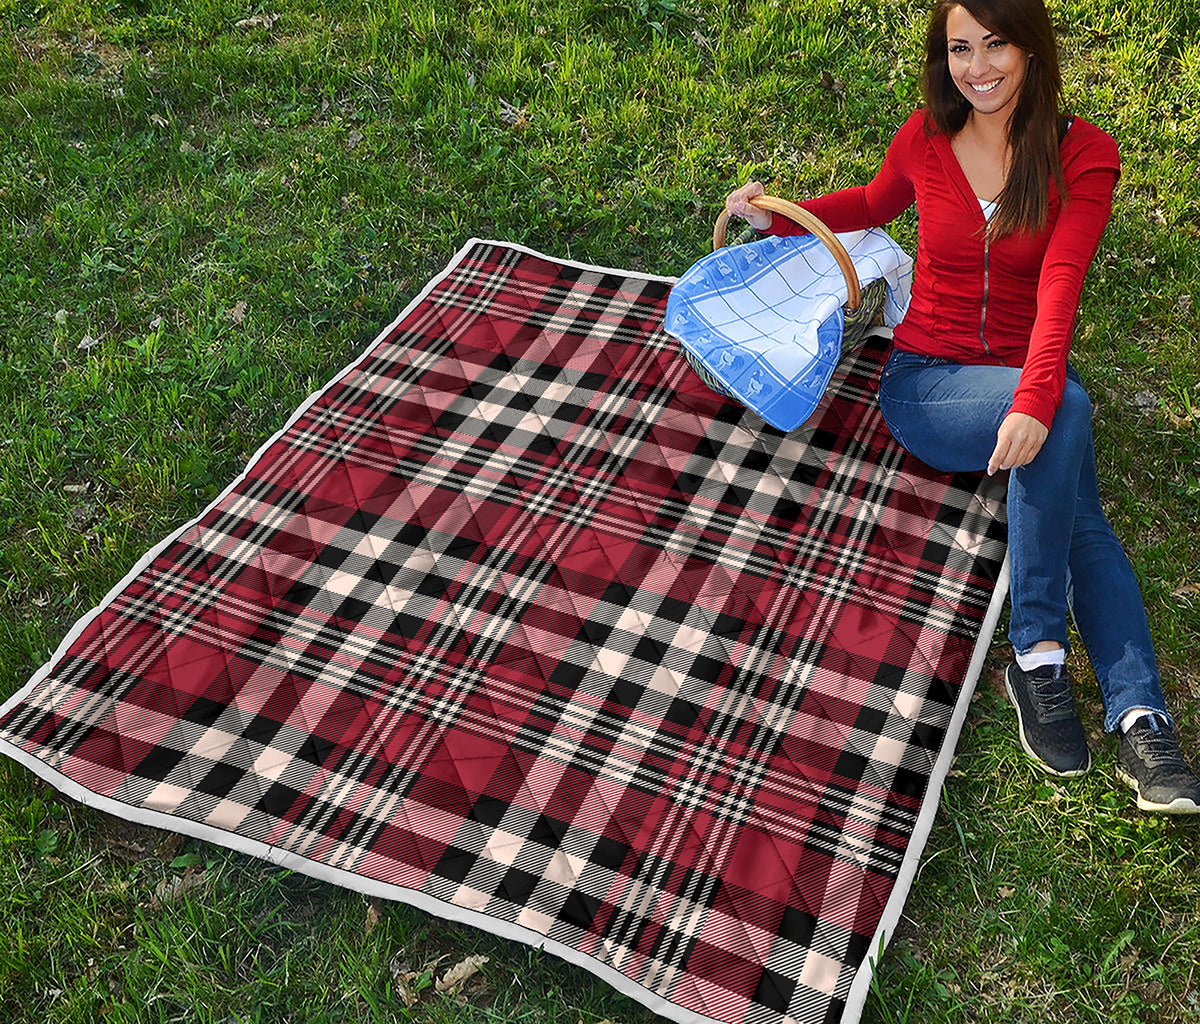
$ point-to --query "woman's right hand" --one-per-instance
(737, 204)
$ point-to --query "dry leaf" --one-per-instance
(159, 120)
(374, 913)
(460, 972)
(87, 341)
(832, 84)
(257, 21)
(238, 313)
(186, 147)
(1146, 401)
(355, 138)
(1005, 891)
(60, 317)
(156, 323)
(398, 965)
(404, 976)
(171, 889)
(75, 488)
(407, 992)
(514, 116)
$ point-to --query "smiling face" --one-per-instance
(987, 69)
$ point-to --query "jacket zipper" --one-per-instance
(983, 308)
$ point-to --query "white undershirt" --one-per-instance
(988, 206)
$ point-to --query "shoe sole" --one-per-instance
(1180, 805)
(1073, 773)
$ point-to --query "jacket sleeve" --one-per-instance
(1072, 246)
(880, 201)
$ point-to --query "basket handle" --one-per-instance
(806, 220)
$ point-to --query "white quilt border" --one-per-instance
(860, 987)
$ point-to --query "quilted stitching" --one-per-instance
(519, 616)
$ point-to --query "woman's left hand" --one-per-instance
(1018, 440)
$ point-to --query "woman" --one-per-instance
(1012, 198)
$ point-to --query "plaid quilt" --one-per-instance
(517, 621)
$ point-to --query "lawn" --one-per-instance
(206, 209)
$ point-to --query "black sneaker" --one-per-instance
(1051, 732)
(1149, 760)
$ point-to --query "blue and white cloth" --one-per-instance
(766, 319)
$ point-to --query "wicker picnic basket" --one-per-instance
(862, 309)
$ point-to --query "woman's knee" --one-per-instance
(1073, 420)
(1077, 407)
(1070, 437)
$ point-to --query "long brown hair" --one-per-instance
(1036, 125)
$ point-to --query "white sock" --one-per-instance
(1036, 659)
(1130, 717)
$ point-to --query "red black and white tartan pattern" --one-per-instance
(520, 616)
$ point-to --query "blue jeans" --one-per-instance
(1062, 550)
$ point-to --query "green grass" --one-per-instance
(230, 214)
